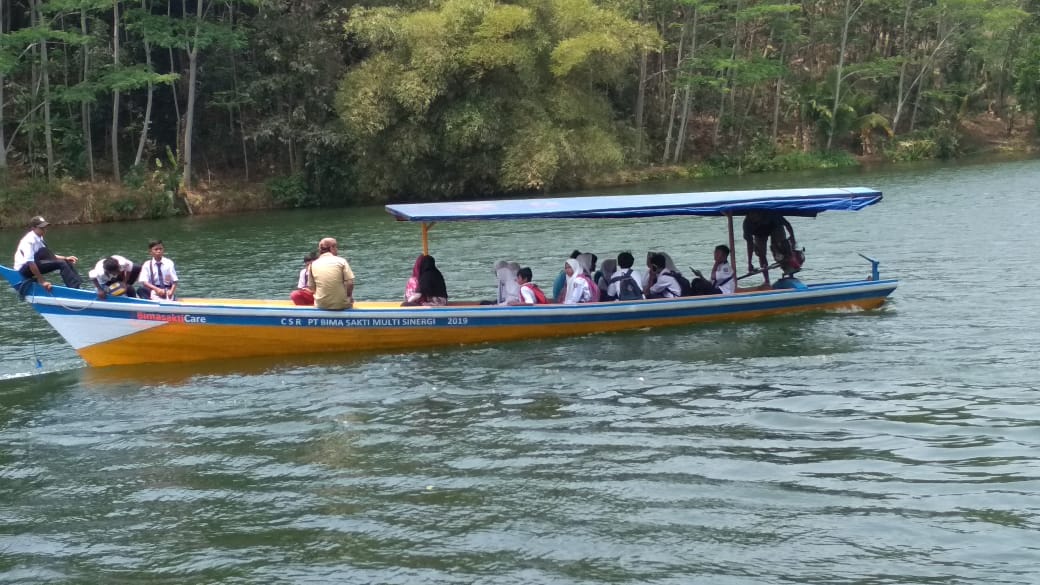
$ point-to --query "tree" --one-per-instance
(482, 97)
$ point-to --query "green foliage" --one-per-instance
(475, 96)
(291, 191)
(941, 142)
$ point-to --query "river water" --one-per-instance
(892, 446)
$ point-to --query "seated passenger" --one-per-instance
(302, 296)
(722, 276)
(160, 276)
(626, 284)
(433, 292)
(330, 278)
(411, 289)
(560, 284)
(115, 276)
(508, 289)
(603, 276)
(663, 284)
(530, 294)
(587, 261)
(579, 285)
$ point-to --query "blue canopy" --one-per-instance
(798, 202)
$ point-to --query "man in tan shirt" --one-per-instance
(330, 278)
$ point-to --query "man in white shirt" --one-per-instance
(114, 275)
(33, 259)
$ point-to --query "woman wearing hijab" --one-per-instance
(411, 290)
(431, 283)
(587, 261)
(579, 289)
(607, 270)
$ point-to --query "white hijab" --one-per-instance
(576, 272)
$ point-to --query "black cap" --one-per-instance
(38, 222)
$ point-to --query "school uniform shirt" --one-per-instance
(302, 282)
(161, 274)
(723, 274)
(527, 296)
(98, 272)
(615, 287)
(28, 246)
(666, 286)
(578, 291)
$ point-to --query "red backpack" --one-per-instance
(539, 296)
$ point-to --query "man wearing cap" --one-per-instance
(33, 259)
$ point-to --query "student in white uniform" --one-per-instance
(158, 275)
(114, 275)
(722, 273)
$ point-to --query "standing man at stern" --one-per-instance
(33, 259)
(330, 278)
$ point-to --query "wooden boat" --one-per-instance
(121, 331)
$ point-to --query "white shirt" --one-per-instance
(721, 273)
(150, 273)
(615, 287)
(302, 282)
(527, 296)
(30, 244)
(98, 273)
(578, 292)
(666, 286)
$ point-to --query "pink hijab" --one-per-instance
(411, 290)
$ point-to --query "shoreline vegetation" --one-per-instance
(159, 194)
(128, 110)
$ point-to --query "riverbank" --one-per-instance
(157, 195)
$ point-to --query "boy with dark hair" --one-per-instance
(115, 275)
(530, 294)
(663, 284)
(626, 284)
(722, 276)
(160, 276)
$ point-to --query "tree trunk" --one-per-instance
(841, 68)
(173, 86)
(777, 92)
(148, 105)
(116, 174)
(3, 82)
(88, 142)
(675, 91)
(680, 141)
(48, 134)
(189, 115)
(640, 93)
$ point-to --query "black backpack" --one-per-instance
(684, 283)
(628, 288)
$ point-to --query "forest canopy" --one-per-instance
(339, 102)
